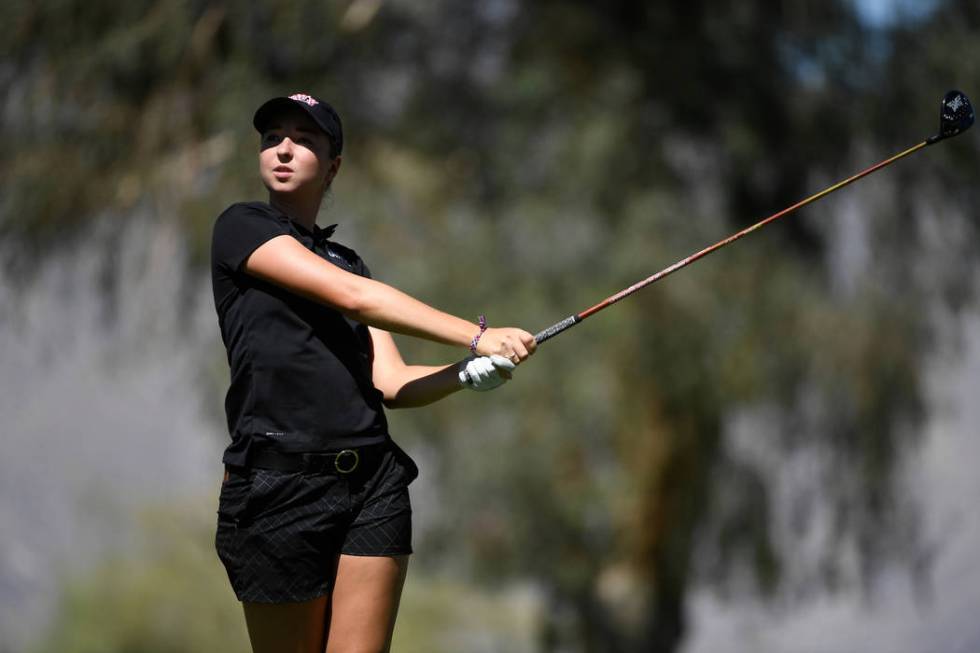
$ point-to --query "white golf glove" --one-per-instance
(484, 372)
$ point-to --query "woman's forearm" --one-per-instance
(420, 385)
(382, 306)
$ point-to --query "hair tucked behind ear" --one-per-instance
(333, 159)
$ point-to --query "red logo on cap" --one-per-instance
(303, 97)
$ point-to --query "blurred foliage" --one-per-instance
(167, 593)
(526, 160)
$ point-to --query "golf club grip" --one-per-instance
(557, 328)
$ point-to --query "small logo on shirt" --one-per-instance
(275, 434)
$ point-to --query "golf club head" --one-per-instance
(955, 115)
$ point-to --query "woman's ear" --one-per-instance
(332, 170)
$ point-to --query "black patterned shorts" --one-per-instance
(279, 533)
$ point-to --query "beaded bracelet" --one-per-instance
(476, 338)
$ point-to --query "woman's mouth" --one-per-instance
(282, 172)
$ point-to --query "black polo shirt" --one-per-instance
(300, 370)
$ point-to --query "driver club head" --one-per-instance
(955, 115)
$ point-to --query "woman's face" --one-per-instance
(295, 155)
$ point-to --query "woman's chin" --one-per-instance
(281, 187)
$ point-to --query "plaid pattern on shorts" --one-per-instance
(279, 533)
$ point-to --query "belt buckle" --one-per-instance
(346, 469)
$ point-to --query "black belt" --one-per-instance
(345, 461)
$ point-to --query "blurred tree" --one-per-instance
(584, 145)
(166, 593)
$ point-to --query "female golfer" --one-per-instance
(314, 520)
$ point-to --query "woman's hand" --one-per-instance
(485, 372)
(513, 344)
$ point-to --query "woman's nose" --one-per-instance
(285, 148)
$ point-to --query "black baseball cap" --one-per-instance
(324, 115)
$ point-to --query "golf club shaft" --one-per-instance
(572, 320)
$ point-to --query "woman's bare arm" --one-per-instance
(285, 262)
(408, 386)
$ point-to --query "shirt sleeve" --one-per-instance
(239, 231)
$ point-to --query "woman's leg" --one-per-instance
(287, 627)
(365, 603)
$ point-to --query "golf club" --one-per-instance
(956, 116)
